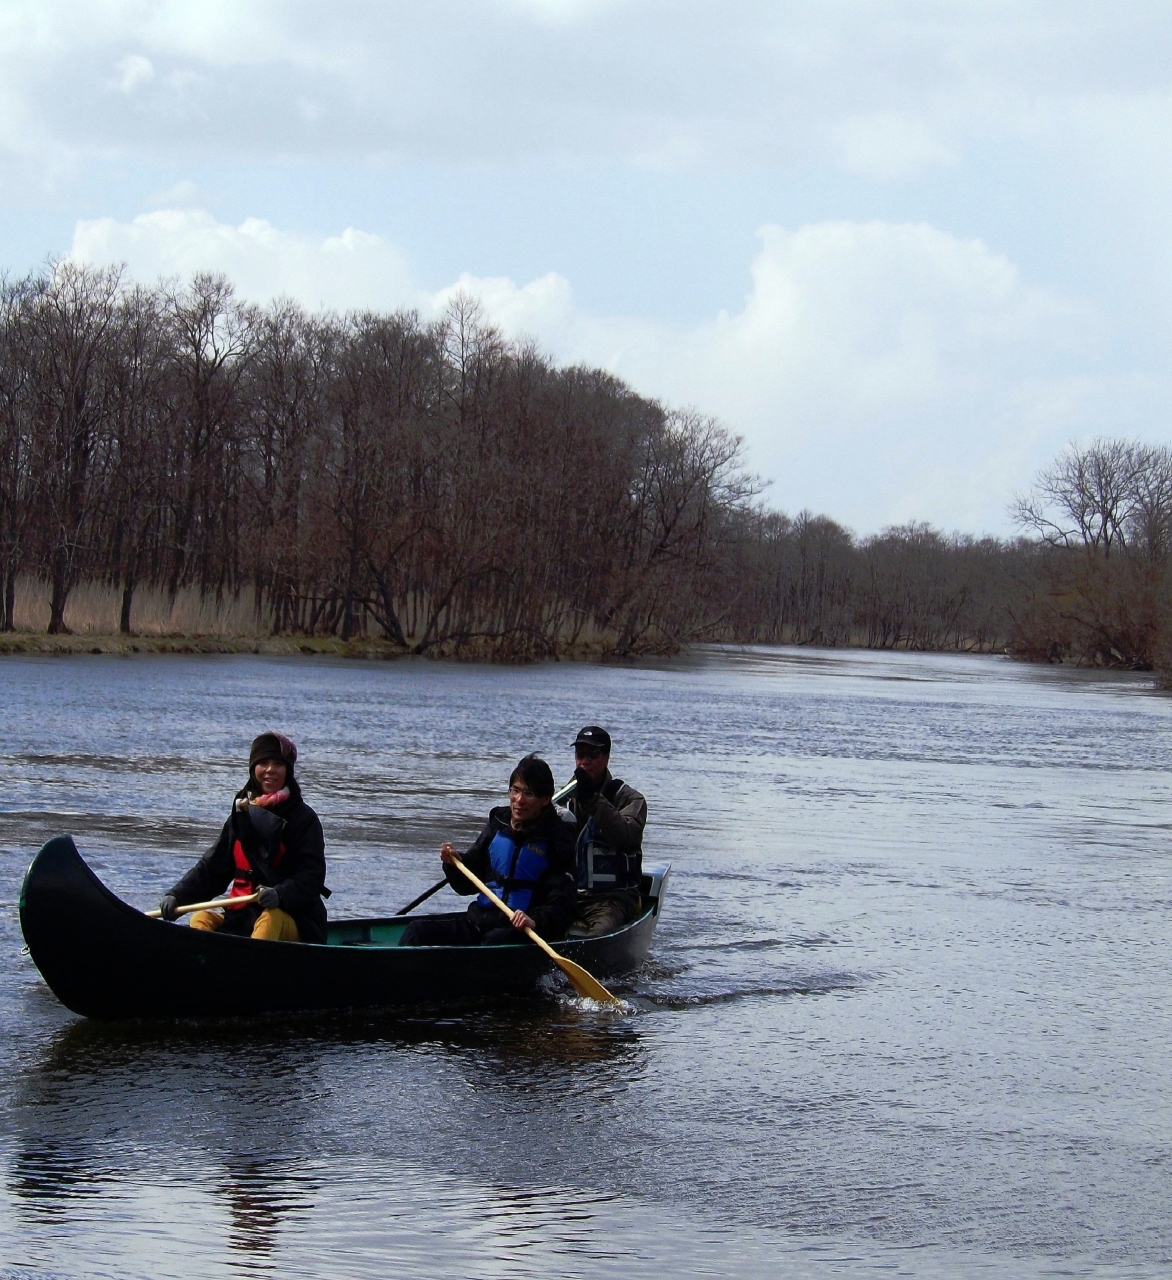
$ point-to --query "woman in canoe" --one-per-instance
(525, 854)
(271, 845)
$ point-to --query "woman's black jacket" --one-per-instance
(298, 874)
(555, 896)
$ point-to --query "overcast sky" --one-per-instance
(907, 250)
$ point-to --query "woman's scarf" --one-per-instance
(263, 801)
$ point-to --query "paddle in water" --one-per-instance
(585, 984)
(558, 796)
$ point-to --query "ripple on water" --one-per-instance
(976, 1085)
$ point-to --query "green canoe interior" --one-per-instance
(366, 933)
(386, 933)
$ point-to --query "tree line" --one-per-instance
(1101, 515)
(430, 484)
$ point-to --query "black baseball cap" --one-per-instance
(593, 736)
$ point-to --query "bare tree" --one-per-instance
(1148, 525)
(1087, 495)
(212, 340)
(17, 476)
(1104, 512)
(73, 314)
(138, 419)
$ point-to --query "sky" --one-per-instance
(908, 250)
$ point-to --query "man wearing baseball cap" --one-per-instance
(610, 817)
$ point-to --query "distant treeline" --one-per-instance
(432, 485)
(1103, 591)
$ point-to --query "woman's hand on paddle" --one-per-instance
(448, 852)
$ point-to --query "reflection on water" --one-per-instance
(260, 1195)
(905, 1013)
(50, 1177)
(236, 1111)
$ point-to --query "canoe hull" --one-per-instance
(102, 958)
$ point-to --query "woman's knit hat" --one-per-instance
(273, 746)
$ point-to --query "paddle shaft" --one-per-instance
(423, 897)
(586, 984)
(206, 906)
(563, 794)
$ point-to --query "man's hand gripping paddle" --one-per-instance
(585, 984)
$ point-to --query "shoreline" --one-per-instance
(117, 645)
(40, 643)
(127, 646)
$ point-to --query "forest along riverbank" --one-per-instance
(907, 1007)
(362, 442)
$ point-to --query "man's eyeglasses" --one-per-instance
(588, 753)
(521, 793)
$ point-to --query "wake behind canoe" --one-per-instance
(103, 958)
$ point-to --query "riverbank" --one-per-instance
(33, 643)
(40, 642)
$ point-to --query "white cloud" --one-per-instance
(878, 371)
(676, 80)
(354, 269)
(542, 308)
(884, 363)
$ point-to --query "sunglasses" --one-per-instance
(588, 753)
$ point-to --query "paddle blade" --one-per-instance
(585, 984)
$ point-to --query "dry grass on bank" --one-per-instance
(94, 609)
(195, 624)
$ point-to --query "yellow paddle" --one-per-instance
(558, 797)
(206, 906)
(585, 984)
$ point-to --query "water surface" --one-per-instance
(906, 1012)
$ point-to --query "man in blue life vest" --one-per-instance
(609, 817)
(525, 854)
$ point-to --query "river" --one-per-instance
(906, 1013)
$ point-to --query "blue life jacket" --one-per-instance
(601, 867)
(517, 864)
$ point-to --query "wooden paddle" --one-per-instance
(206, 906)
(585, 984)
(563, 794)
